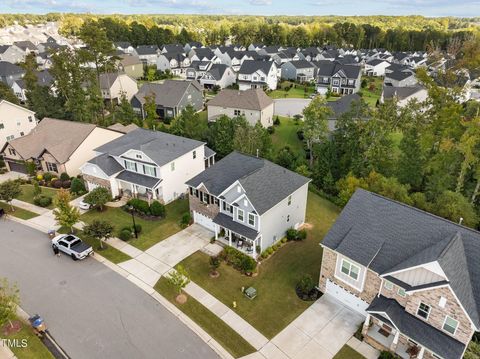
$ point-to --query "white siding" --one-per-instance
(15, 120)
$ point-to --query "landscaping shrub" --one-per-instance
(66, 184)
(125, 234)
(39, 177)
(271, 130)
(284, 240)
(386, 355)
(57, 183)
(276, 122)
(186, 218)
(64, 176)
(31, 168)
(364, 83)
(42, 201)
(300, 135)
(302, 235)
(139, 205)
(157, 209)
(294, 235)
(77, 186)
(305, 288)
(47, 176)
(238, 260)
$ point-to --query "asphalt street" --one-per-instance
(90, 310)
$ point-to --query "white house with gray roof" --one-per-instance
(150, 164)
(255, 74)
(248, 202)
(413, 275)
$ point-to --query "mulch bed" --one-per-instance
(9, 329)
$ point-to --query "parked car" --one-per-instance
(72, 246)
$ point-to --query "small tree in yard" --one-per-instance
(37, 190)
(100, 230)
(10, 190)
(98, 197)
(214, 264)
(65, 214)
(77, 186)
(179, 279)
(9, 300)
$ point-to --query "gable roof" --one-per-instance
(342, 105)
(250, 66)
(400, 93)
(8, 69)
(129, 60)
(383, 235)
(265, 183)
(375, 62)
(107, 164)
(302, 64)
(167, 94)
(161, 147)
(217, 71)
(252, 99)
(398, 75)
(147, 49)
(45, 137)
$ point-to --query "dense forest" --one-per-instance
(390, 32)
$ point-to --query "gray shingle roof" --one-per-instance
(400, 92)
(167, 94)
(137, 178)
(147, 49)
(161, 147)
(265, 183)
(398, 75)
(342, 105)
(253, 99)
(217, 71)
(107, 164)
(7, 69)
(302, 64)
(250, 66)
(227, 222)
(383, 235)
(416, 329)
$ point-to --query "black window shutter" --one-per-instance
(231, 209)
(155, 171)
(196, 193)
(224, 206)
(136, 169)
(201, 196)
(208, 198)
(191, 191)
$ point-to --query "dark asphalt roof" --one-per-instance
(107, 164)
(161, 147)
(398, 75)
(342, 105)
(167, 94)
(302, 64)
(400, 92)
(204, 52)
(138, 179)
(409, 288)
(147, 49)
(383, 234)
(227, 222)
(416, 329)
(209, 152)
(250, 66)
(7, 69)
(375, 62)
(265, 183)
(217, 71)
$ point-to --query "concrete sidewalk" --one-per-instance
(29, 207)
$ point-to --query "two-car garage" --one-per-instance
(204, 221)
(347, 298)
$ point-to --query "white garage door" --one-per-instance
(347, 298)
(203, 221)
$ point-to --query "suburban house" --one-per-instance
(56, 146)
(376, 67)
(255, 74)
(171, 97)
(248, 202)
(114, 85)
(125, 46)
(10, 72)
(175, 62)
(12, 54)
(403, 94)
(218, 75)
(340, 107)
(144, 163)
(15, 121)
(301, 71)
(44, 78)
(341, 79)
(130, 65)
(400, 78)
(413, 275)
(253, 104)
(197, 69)
(148, 54)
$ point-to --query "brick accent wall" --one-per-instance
(196, 205)
(99, 181)
(437, 314)
(393, 293)
(372, 281)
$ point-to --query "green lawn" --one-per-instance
(34, 348)
(153, 231)
(110, 253)
(373, 90)
(214, 326)
(348, 353)
(277, 303)
(297, 91)
(286, 135)
(27, 194)
(19, 212)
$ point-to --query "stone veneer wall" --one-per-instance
(196, 205)
(99, 181)
(372, 281)
(393, 294)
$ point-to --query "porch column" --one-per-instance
(216, 232)
(255, 248)
(230, 238)
(421, 353)
(393, 346)
(366, 325)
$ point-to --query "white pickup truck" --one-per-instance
(72, 246)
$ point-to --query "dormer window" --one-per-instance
(138, 156)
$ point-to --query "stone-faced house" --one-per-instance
(413, 275)
(149, 164)
(56, 146)
(248, 202)
(253, 104)
(171, 97)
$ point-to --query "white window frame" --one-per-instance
(130, 163)
(428, 313)
(243, 215)
(147, 169)
(251, 215)
(350, 265)
(401, 292)
(445, 322)
(50, 167)
(289, 202)
(388, 285)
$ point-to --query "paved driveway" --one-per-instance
(319, 332)
(11, 176)
(290, 107)
(92, 311)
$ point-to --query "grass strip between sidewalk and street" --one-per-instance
(19, 212)
(213, 325)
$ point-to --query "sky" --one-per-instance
(460, 8)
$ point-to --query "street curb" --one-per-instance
(194, 327)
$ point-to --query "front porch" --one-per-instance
(135, 185)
